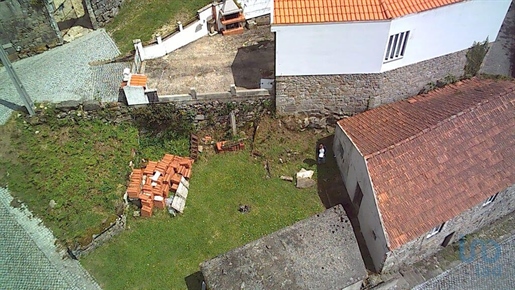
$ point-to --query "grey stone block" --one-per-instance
(67, 106)
(92, 106)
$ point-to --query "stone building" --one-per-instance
(423, 172)
(316, 253)
(336, 58)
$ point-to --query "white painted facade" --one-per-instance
(359, 47)
(353, 170)
(255, 8)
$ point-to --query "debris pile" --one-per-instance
(152, 185)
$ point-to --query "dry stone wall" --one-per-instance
(331, 97)
(26, 28)
(206, 113)
(105, 10)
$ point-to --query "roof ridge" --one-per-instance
(438, 124)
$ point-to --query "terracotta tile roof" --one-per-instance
(316, 11)
(137, 80)
(434, 156)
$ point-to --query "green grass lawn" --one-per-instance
(140, 19)
(160, 252)
(83, 166)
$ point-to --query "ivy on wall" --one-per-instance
(475, 56)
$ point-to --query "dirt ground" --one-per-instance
(213, 63)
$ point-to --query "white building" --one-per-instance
(322, 46)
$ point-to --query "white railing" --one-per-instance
(197, 29)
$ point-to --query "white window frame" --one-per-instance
(396, 46)
(435, 231)
(490, 199)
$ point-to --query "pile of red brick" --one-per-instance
(153, 184)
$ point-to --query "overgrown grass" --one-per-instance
(140, 19)
(82, 167)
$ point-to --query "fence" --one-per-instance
(185, 35)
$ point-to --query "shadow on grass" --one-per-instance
(309, 162)
(194, 281)
(332, 191)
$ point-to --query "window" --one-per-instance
(490, 199)
(358, 197)
(435, 231)
(396, 46)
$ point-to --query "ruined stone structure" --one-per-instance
(26, 28)
(105, 10)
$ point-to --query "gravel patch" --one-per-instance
(29, 258)
(64, 73)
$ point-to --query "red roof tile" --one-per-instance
(315, 11)
(432, 159)
(137, 80)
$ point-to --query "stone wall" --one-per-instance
(26, 28)
(467, 222)
(205, 113)
(114, 229)
(105, 10)
(333, 96)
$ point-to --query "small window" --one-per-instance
(490, 199)
(396, 46)
(435, 231)
(358, 197)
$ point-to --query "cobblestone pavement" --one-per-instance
(29, 258)
(492, 269)
(64, 73)
(498, 60)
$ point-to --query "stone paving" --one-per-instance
(493, 269)
(29, 258)
(65, 73)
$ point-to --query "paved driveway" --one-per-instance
(493, 269)
(64, 73)
(28, 256)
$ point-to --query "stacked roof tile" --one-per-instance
(433, 156)
(152, 184)
(316, 11)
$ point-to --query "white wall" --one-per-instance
(359, 47)
(447, 29)
(335, 48)
(353, 170)
(255, 8)
(189, 34)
